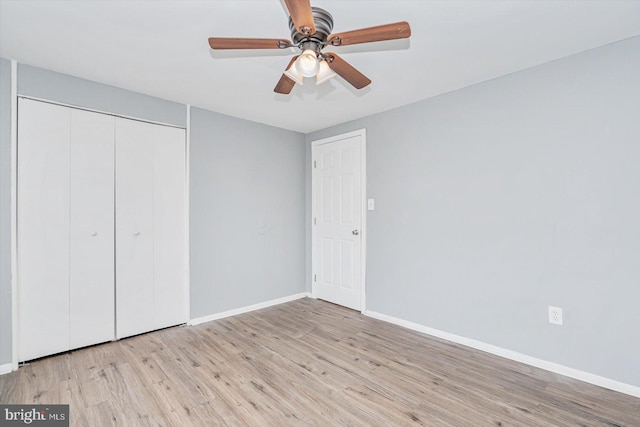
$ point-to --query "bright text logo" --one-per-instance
(34, 415)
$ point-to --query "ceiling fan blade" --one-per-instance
(346, 71)
(397, 30)
(300, 11)
(247, 43)
(285, 84)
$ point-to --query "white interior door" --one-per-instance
(134, 227)
(43, 229)
(338, 219)
(91, 250)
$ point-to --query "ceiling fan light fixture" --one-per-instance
(294, 75)
(307, 64)
(311, 31)
(324, 73)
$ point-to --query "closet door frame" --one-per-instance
(15, 96)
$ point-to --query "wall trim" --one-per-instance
(513, 355)
(14, 215)
(6, 368)
(246, 309)
(187, 214)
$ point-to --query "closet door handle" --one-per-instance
(136, 233)
(94, 233)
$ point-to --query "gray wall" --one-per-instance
(45, 84)
(5, 211)
(497, 200)
(247, 213)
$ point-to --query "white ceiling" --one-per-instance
(160, 48)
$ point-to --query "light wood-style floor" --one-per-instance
(306, 363)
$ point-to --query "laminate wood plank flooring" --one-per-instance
(306, 363)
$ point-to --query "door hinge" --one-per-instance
(314, 164)
(314, 278)
(314, 221)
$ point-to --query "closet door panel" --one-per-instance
(43, 229)
(134, 228)
(171, 293)
(92, 311)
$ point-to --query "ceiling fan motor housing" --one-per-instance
(324, 24)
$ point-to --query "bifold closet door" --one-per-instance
(65, 228)
(91, 251)
(134, 229)
(151, 290)
(43, 229)
(169, 227)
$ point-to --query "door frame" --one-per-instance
(14, 215)
(363, 210)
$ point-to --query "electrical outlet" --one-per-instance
(555, 315)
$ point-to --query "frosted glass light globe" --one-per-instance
(324, 73)
(307, 64)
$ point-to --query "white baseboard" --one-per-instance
(6, 368)
(247, 309)
(509, 354)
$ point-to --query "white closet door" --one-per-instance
(91, 185)
(43, 229)
(169, 227)
(134, 228)
(151, 291)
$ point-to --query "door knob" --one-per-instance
(94, 233)
(137, 233)
(355, 232)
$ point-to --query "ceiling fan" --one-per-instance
(311, 32)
